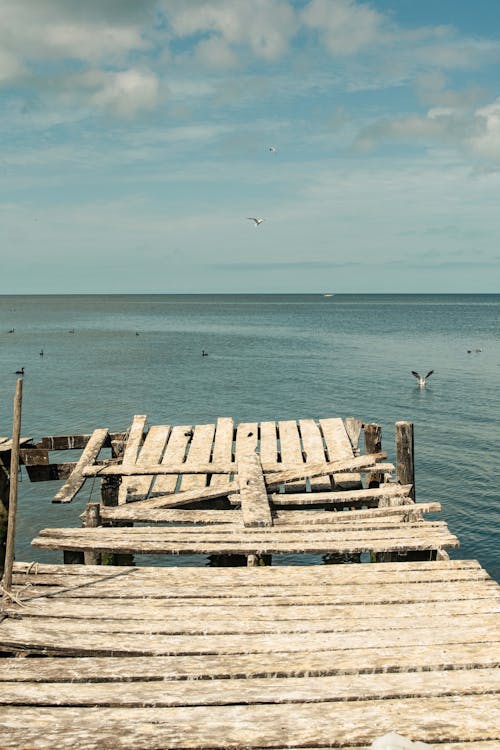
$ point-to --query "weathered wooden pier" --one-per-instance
(249, 653)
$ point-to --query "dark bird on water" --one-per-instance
(204, 353)
(421, 378)
(12, 330)
(20, 372)
(41, 352)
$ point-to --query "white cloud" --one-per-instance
(486, 142)
(344, 26)
(125, 92)
(266, 27)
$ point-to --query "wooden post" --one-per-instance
(405, 464)
(14, 469)
(92, 519)
(373, 444)
(110, 486)
(4, 504)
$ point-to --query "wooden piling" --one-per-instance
(373, 444)
(92, 519)
(4, 504)
(405, 463)
(14, 469)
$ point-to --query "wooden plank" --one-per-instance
(174, 453)
(200, 450)
(218, 540)
(77, 477)
(247, 436)
(431, 719)
(255, 507)
(222, 448)
(31, 634)
(291, 451)
(353, 429)
(312, 441)
(131, 451)
(260, 690)
(268, 451)
(313, 517)
(339, 447)
(138, 487)
(6, 445)
(34, 456)
(377, 496)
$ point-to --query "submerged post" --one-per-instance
(14, 468)
(405, 463)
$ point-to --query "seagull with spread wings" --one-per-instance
(421, 378)
(258, 222)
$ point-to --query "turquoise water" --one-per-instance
(270, 357)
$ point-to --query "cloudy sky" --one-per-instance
(136, 137)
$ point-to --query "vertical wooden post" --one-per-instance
(109, 496)
(92, 519)
(373, 444)
(405, 463)
(14, 469)
(4, 504)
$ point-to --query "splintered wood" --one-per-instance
(295, 657)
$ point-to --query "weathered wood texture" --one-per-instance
(230, 539)
(315, 656)
(405, 459)
(255, 508)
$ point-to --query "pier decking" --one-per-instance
(274, 657)
(316, 656)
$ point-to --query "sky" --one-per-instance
(137, 137)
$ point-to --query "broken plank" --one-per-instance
(152, 450)
(222, 448)
(255, 507)
(339, 447)
(132, 446)
(77, 478)
(174, 454)
(200, 449)
(312, 442)
(291, 451)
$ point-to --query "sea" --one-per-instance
(284, 356)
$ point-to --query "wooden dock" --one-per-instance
(273, 657)
(259, 656)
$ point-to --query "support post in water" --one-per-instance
(373, 444)
(14, 468)
(405, 463)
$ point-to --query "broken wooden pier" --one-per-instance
(261, 654)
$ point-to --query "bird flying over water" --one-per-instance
(273, 149)
(421, 378)
(257, 221)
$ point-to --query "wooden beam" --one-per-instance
(77, 477)
(255, 507)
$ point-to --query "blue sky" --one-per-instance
(135, 141)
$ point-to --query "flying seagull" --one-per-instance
(257, 221)
(421, 379)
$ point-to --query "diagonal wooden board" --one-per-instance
(131, 452)
(77, 477)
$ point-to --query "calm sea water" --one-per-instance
(270, 357)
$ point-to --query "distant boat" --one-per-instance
(328, 295)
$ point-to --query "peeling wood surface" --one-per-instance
(313, 656)
(255, 508)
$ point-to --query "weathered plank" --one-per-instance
(339, 447)
(268, 451)
(340, 723)
(174, 453)
(138, 486)
(180, 515)
(291, 451)
(312, 442)
(200, 450)
(247, 436)
(375, 495)
(353, 428)
(255, 508)
(260, 690)
(6, 444)
(222, 448)
(77, 477)
(131, 451)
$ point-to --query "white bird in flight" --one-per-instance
(421, 378)
(257, 221)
